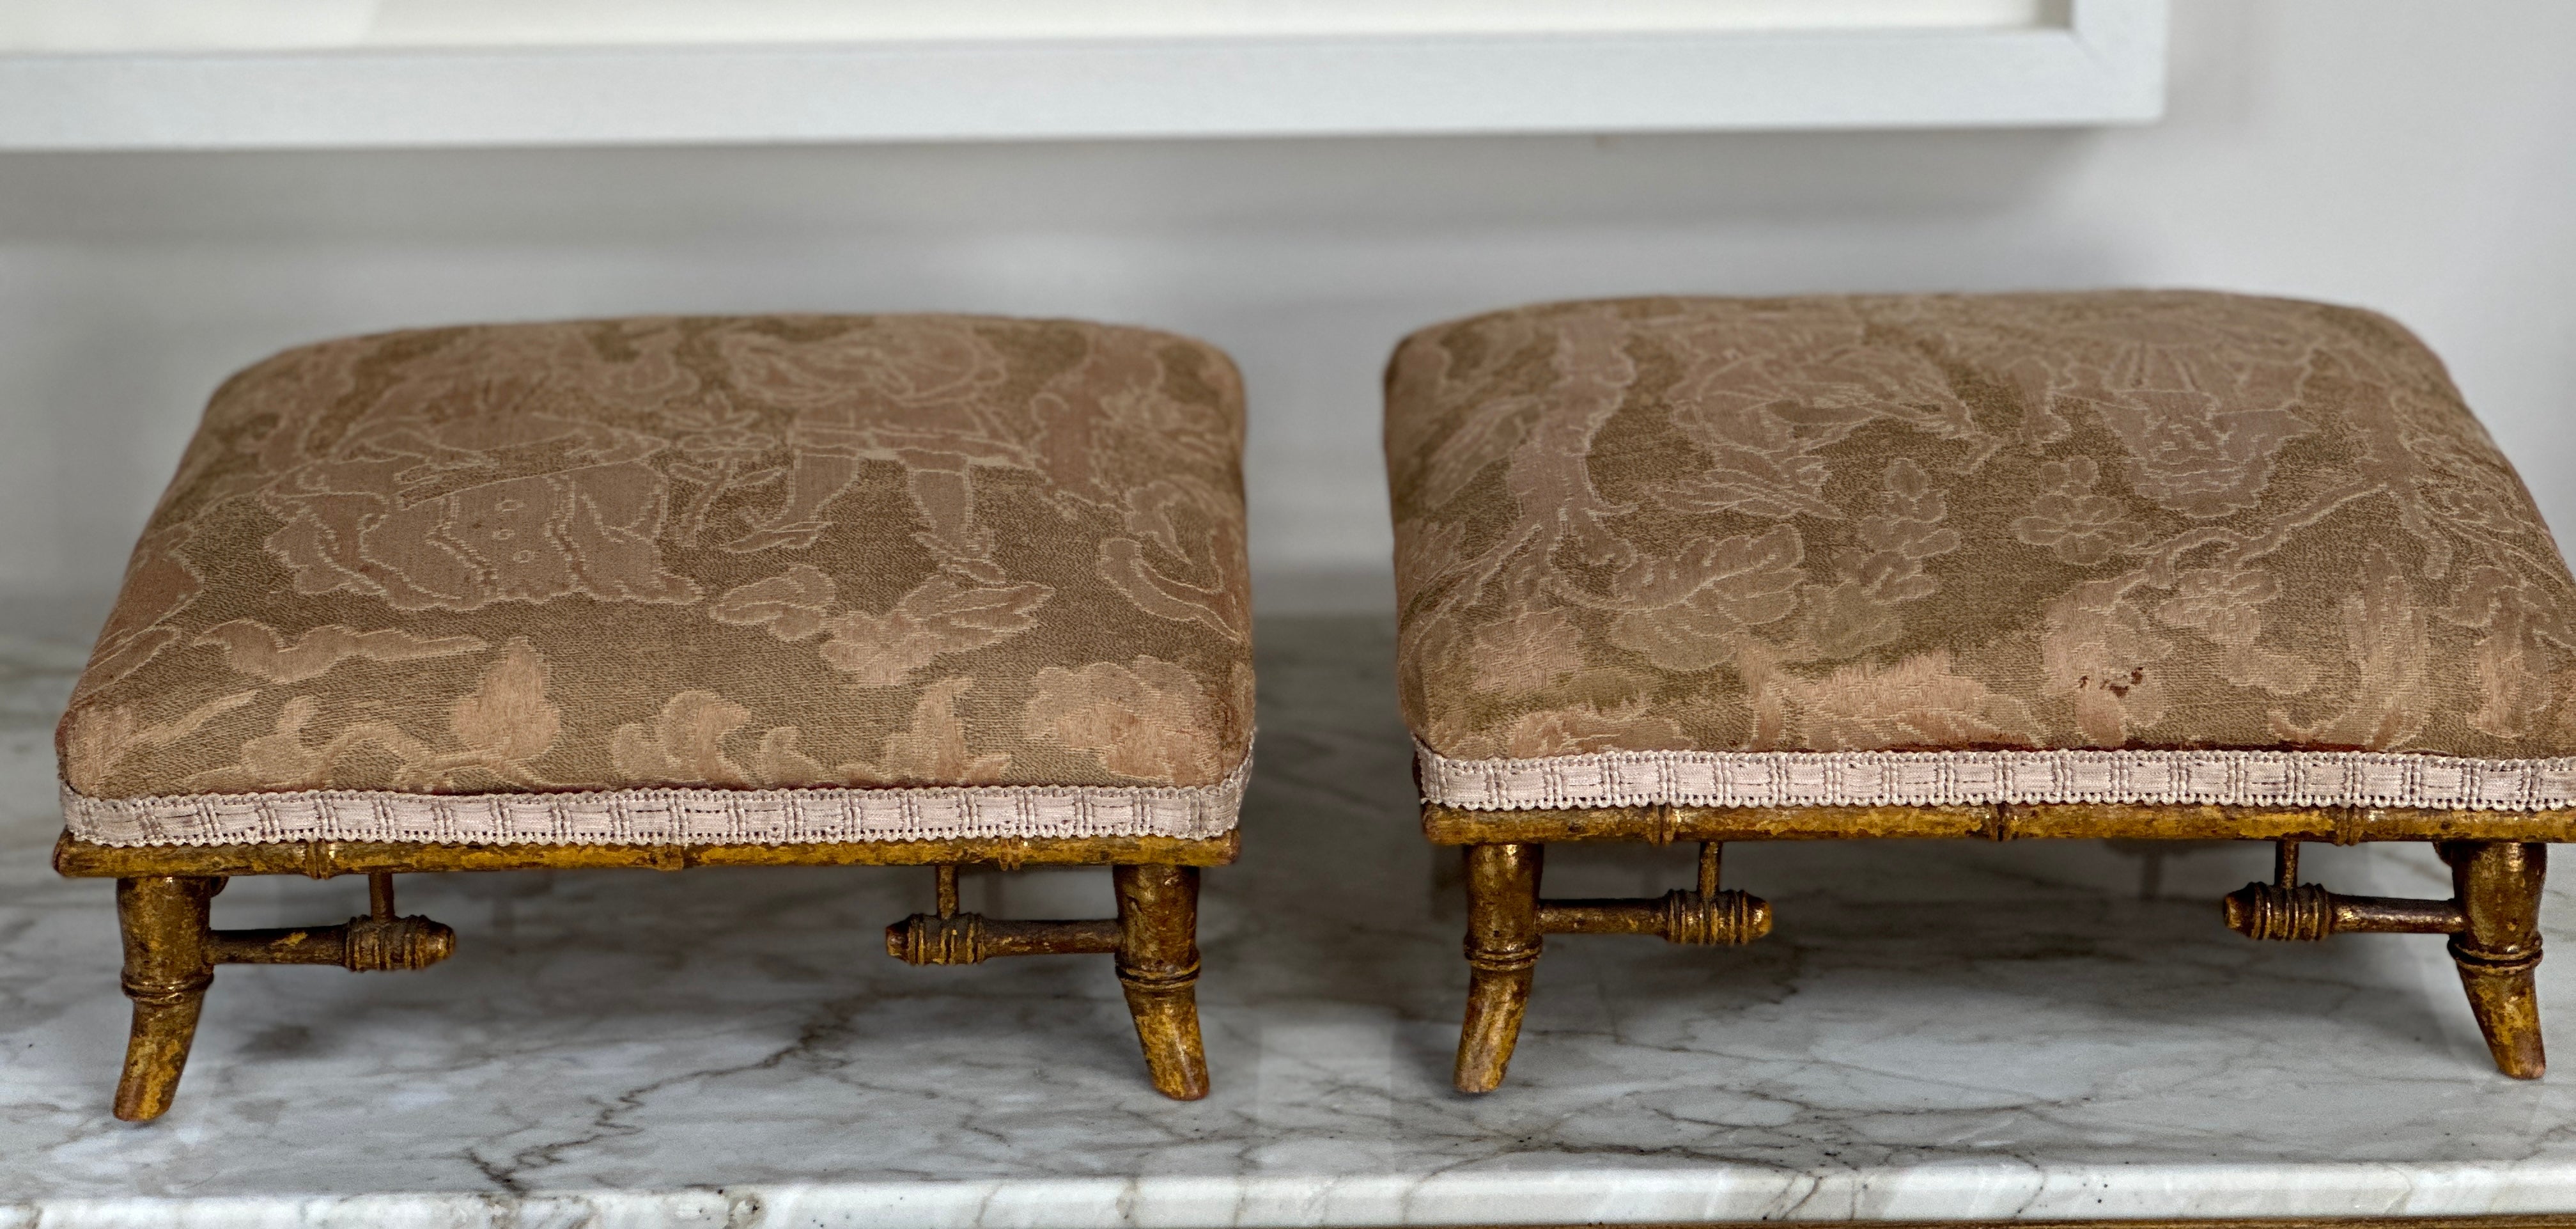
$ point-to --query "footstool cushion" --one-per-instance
(2133, 547)
(730, 580)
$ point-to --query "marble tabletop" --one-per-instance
(2031, 1030)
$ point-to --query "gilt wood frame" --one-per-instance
(2498, 860)
(164, 893)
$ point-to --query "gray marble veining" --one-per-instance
(1935, 1030)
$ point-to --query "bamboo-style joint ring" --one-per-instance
(1668, 823)
(1503, 959)
(393, 945)
(2308, 911)
(926, 938)
(2271, 911)
(1157, 979)
(1726, 919)
(2518, 961)
(972, 938)
(166, 991)
(360, 945)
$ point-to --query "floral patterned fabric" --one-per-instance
(2144, 521)
(758, 553)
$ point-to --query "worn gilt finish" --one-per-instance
(2140, 564)
(1503, 942)
(1448, 825)
(1158, 967)
(172, 948)
(2493, 917)
(2497, 884)
(171, 952)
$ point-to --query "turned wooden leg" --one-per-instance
(1502, 950)
(1158, 966)
(2498, 883)
(167, 970)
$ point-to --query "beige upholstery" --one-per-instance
(2132, 546)
(786, 578)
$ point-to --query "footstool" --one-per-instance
(2138, 565)
(663, 593)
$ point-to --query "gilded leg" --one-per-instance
(1158, 966)
(2498, 883)
(167, 969)
(1502, 950)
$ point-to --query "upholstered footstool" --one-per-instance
(663, 593)
(2139, 565)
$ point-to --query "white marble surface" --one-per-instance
(1935, 1031)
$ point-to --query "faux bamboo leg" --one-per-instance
(1502, 950)
(1158, 966)
(2498, 883)
(167, 970)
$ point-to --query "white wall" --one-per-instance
(2414, 156)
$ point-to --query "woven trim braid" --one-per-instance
(662, 816)
(1985, 778)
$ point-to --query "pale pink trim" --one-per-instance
(1984, 778)
(663, 816)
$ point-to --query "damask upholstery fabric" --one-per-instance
(2123, 546)
(778, 578)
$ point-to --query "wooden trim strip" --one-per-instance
(1453, 825)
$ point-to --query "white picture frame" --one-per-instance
(2086, 62)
